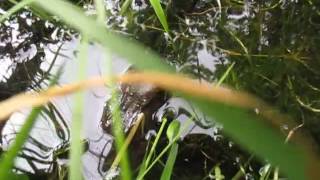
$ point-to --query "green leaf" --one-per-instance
(101, 12)
(248, 130)
(160, 14)
(173, 130)
(76, 149)
(149, 154)
(7, 159)
(15, 8)
(166, 173)
(217, 173)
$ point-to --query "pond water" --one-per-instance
(272, 46)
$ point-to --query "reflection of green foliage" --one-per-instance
(284, 71)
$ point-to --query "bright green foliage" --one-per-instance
(160, 14)
(172, 133)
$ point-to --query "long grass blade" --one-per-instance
(225, 74)
(7, 159)
(160, 14)
(166, 173)
(149, 154)
(101, 11)
(76, 125)
(172, 133)
(117, 131)
(15, 9)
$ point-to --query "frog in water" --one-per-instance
(134, 99)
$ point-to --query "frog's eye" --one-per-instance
(169, 113)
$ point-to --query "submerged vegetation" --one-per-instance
(247, 72)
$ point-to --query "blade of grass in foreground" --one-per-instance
(166, 173)
(7, 159)
(117, 131)
(15, 9)
(149, 154)
(101, 11)
(146, 60)
(165, 149)
(76, 149)
(172, 132)
(160, 14)
(247, 130)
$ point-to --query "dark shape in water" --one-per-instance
(134, 99)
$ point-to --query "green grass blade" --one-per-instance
(7, 159)
(145, 59)
(172, 134)
(125, 6)
(160, 14)
(76, 147)
(225, 74)
(249, 131)
(166, 173)
(156, 141)
(101, 11)
(15, 9)
(217, 173)
(165, 149)
(149, 154)
(117, 130)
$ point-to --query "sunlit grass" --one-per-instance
(160, 14)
